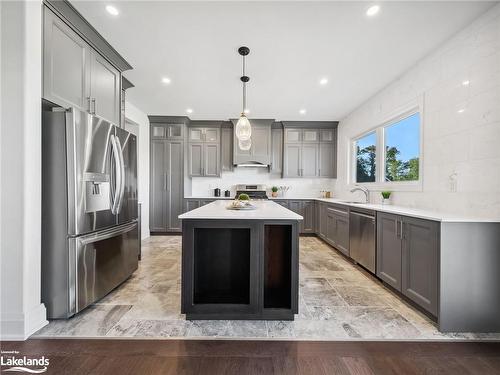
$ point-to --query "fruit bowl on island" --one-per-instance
(242, 202)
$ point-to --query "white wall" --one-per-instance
(134, 114)
(21, 60)
(299, 187)
(467, 143)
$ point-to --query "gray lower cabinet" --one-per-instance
(192, 203)
(166, 190)
(408, 257)
(304, 208)
(75, 75)
(337, 228)
(389, 249)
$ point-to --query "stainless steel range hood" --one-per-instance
(259, 155)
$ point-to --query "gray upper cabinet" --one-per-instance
(75, 75)
(66, 65)
(292, 163)
(316, 150)
(420, 260)
(326, 162)
(309, 160)
(204, 155)
(276, 151)
(105, 91)
(226, 149)
(389, 249)
(196, 159)
(167, 131)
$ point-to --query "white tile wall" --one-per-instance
(299, 187)
(466, 143)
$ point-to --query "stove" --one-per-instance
(255, 192)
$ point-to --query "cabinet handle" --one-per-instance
(88, 103)
(396, 226)
(402, 229)
(93, 102)
(165, 181)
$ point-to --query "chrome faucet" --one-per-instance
(364, 190)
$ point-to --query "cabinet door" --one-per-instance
(326, 135)
(191, 204)
(322, 220)
(298, 208)
(309, 160)
(211, 135)
(175, 131)
(310, 136)
(175, 189)
(226, 149)
(331, 228)
(66, 65)
(389, 249)
(342, 233)
(158, 197)
(276, 150)
(195, 159)
(158, 131)
(326, 160)
(195, 135)
(261, 143)
(309, 216)
(206, 201)
(291, 162)
(211, 158)
(420, 262)
(293, 135)
(105, 89)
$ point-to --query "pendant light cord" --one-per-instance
(244, 89)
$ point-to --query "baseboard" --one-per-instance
(18, 327)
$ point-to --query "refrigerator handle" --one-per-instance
(106, 234)
(121, 192)
(118, 179)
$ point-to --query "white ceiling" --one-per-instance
(293, 45)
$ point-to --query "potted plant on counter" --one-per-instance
(274, 191)
(386, 197)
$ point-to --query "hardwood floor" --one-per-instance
(117, 357)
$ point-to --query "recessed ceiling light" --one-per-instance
(112, 10)
(461, 110)
(323, 81)
(466, 82)
(189, 110)
(302, 111)
(166, 80)
(373, 10)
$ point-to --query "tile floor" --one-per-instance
(338, 301)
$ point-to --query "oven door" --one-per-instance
(103, 260)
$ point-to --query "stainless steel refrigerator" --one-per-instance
(90, 234)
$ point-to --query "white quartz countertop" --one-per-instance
(413, 212)
(266, 210)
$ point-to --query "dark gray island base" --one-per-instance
(243, 267)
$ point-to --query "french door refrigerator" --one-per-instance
(90, 235)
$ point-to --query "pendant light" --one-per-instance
(245, 145)
(243, 128)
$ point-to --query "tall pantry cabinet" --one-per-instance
(166, 174)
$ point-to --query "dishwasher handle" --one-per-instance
(364, 215)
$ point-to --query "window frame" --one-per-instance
(380, 155)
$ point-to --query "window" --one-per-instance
(402, 149)
(390, 154)
(366, 150)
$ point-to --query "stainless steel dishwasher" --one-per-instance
(362, 238)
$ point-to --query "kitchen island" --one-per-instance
(240, 264)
